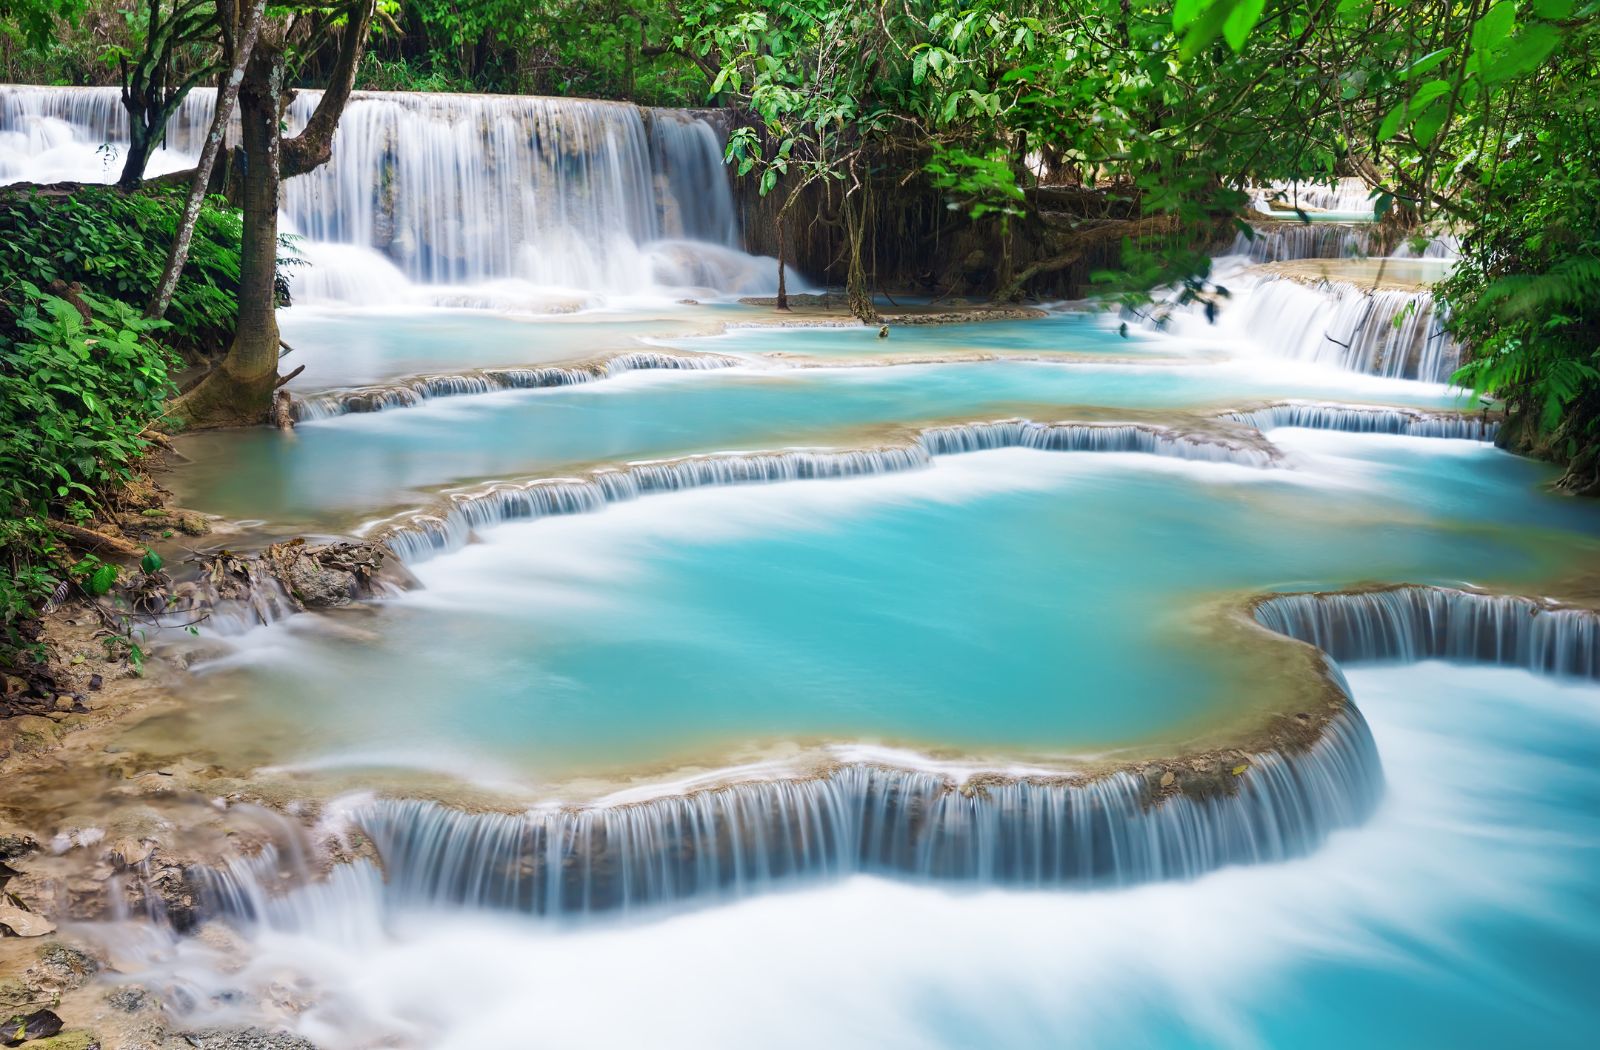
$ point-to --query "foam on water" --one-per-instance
(1457, 913)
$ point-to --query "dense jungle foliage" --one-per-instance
(1114, 134)
(83, 374)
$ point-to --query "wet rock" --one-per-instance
(129, 852)
(22, 1028)
(242, 1039)
(128, 999)
(19, 922)
(62, 968)
(17, 845)
(29, 735)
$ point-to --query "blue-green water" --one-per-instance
(1058, 333)
(891, 609)
(1012, 605)
(357, 464)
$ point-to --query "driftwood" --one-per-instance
(90, 540)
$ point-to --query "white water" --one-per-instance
(1378, 932)
(1385, 332)
(504, 202)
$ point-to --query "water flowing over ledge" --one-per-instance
(748, 838)
(415, 390)
(1282, 241)
(1388, 332)
(1409, 623)
(448, 189)
(421, 535)
(1172, 819)
(1369, 419)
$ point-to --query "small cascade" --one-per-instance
(747, 838)
(1094, 437)
(61, 134)
(414, 391)
(1284, 241)
(1387, 332)
(1437, 623)
(1365, 419)
(420, 536)
(466, 188)
(1343, 195)
(1437, 246)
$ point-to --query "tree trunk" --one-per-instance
(239, 390)
(140, 146)
(241, 39)
(314, 145)
(857, 294)
(783, 287)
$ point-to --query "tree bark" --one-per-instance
(239, 390)
(151, 91)
(314, 145)
(239, 41)
(857, 294)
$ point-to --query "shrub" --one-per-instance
(114, 244)
(78, 387)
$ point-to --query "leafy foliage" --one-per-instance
(76, 392)
(115, 245)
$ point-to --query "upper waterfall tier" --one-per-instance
(450, 189)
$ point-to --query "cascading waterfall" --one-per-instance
(1284, 241)
(61, 134)
(452, 189)
(1387, 332)
(407, 393)
(420, 536)
(1437, 623)
(1365, 419)
(1343, 195)
(745, 838)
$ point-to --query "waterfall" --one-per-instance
(1364, 419)
(62, 134)
(406, 393)
(452, 189)
(421, 535)
(1284, 241)
(745, 838)
(1387, 332)
(1435, 623)
(1343, 195)
(1437, 246)
(1094, 437)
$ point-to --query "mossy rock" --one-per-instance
(75, 1040)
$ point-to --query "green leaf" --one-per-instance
(1425, 63)
(1494, 26)
(1555, 10)
(1524, 54)
(151, 562)
(1426, 127)
(1241, 20)
(101, 579)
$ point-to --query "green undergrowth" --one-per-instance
(84, 376)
